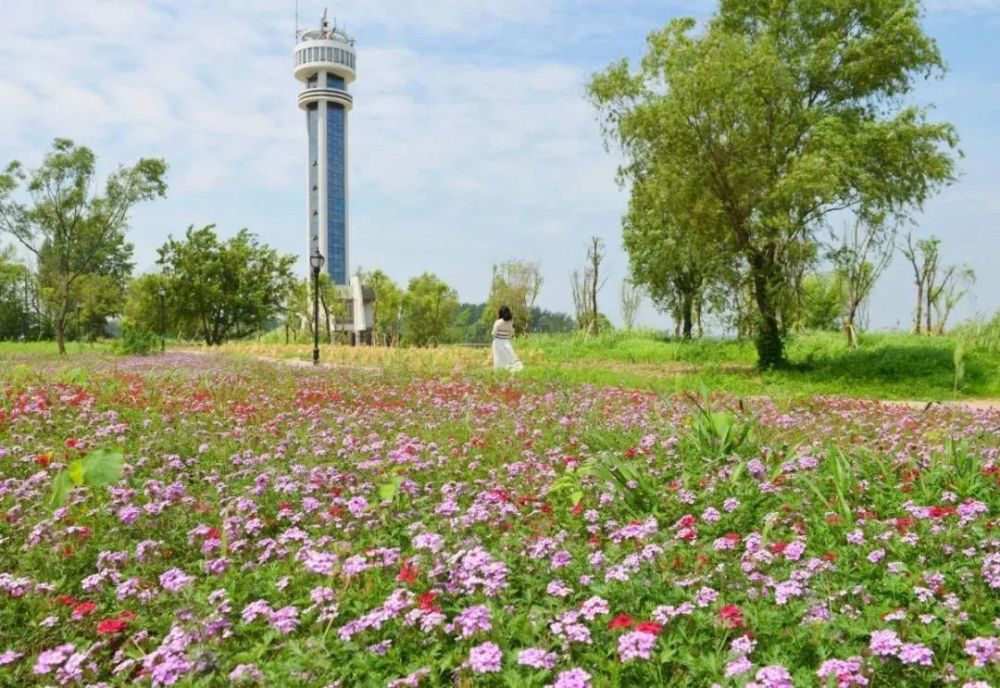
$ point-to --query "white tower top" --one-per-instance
(324, 49)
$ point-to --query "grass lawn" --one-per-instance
(890, 366)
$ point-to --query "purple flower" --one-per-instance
(916, 653)
(485, 659)
(474, 620)
(574, 678)
(594, 607)
(875, 556)
(246, 672)
(537, 658)
(774, 676)
(738, 667)
(730, 505)
(846, 671)
(175, 580)
(285, 619)
(9, 657)
(50, 659)
(884, 644)
(983, 651)
(129, 514)
(357, 506)
(636, 645)
(256, 609)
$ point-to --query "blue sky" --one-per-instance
(470, 140)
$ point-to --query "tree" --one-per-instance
(631, 299)
(955, 284)
(231, 288)
(586, 284)
(924, 257)
(71, 230)
(676, 265)
(15, 313)
(861, 255)
(387, 307)
(429, 306)
(823, 301)
(780, 114)
(516, 284)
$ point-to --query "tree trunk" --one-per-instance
(920, 306)
(770, 348)
(852, 335)
(60, 326)
(927, 312)
(687, 309)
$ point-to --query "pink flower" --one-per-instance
(636, 645)
(485, 659)
(574, 678)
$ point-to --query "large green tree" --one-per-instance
(429, 306)
(229, 288)
(387, 307)
(779, 113)
(71, 229)
(672, 245)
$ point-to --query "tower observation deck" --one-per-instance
(325, 63)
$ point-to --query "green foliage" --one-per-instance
(72, 231)
(230, 288)
(15, 289)
(136, 341)
(772, 118)
(823, 301)
(717, 434)
(515, 284)
(387, 309)
(429, 307)
(97, 469)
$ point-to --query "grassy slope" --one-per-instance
(886, 366)
(889, 366)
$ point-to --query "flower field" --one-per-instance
(275, 526)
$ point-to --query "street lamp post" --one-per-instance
(163, 297)
(316, 261)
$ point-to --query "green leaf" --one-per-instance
(61, 487)
(76, 472)
(102, 467)
(388, 491)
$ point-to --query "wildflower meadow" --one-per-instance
(189, 520)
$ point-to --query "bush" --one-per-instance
(136, 341)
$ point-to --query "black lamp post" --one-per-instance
(163, 297)
(316, 261)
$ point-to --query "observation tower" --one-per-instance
(324, 63)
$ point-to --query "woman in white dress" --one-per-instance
(504, 357)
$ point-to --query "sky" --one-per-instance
(471, 141)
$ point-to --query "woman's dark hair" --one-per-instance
(505, 313)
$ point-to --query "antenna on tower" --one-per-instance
(323, 21)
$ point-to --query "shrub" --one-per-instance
(136, 341)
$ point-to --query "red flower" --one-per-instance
(902, 524)
(213, 534)
(731, 616)
(111, 626)
(72, 443)
(283, 506)
(939, 511)
(734, 538)
(426, 601)
(578, 509)
(778, 547)
(649, 627)
(83, 609)
(687, 521)
(68, 600)
(408, 573)
(621, 621)
(545, 508)
(43, 460)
